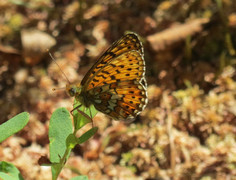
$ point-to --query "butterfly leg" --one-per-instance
(76, 108)
(91, 115)
(82, 113)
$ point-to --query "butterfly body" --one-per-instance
(75, 90)
(116, 83)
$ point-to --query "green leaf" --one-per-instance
(79, 119)
(9, 171)
(60, 128)
(13, 125)
(6, 176)
(87, 135)
(71, 141)
(80, 178)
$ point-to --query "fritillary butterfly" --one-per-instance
(115, 84)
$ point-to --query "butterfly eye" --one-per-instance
(72, 91)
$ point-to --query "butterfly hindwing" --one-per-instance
(121, 100)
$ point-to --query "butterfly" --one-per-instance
(116, 83)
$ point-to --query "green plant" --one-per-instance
(7, 170)
(63, 138)
(13, 125)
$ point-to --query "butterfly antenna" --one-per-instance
(59, 67)
(55, 89)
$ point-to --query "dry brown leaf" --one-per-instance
(232, 20)
(8, 50)
(71, 10)
(93, 11)
(166, 38)
(35, 44)
(100, 29)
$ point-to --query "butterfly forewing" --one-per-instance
(116, 85)
(127, 66)
(127, 43)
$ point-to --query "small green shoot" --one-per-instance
(63, 138)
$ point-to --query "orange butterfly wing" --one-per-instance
(120, 89)
(127, 43)
(115, 84)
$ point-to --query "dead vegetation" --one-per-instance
(187, 131)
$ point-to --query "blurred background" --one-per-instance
(188, 129)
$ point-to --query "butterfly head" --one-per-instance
(73, 90)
